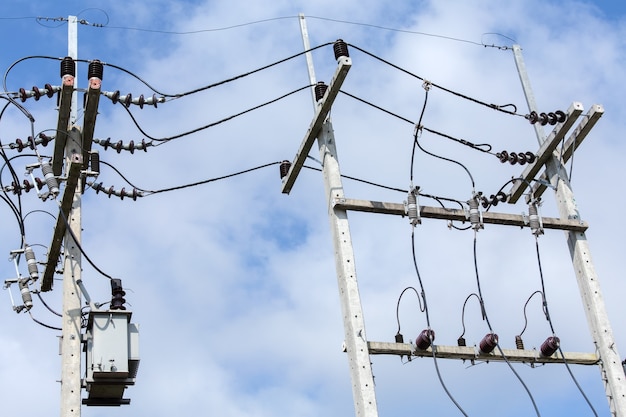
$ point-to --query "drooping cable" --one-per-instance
(46, 305)
(486, 317)
(434, 347)
(43, 324)
(549, 319)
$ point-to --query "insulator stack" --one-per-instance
(425, 339)
(475, 216)
(341, 49)
(16, 188)
(27, 299)
(128, 99)
(493, 200)
(320, 90)
(550, 346)
(37, 92)
(112, 191)
(119, 145)
(516, 157)
(68, 67)
(534, 220)
(488, 344)
(94, 162)
(519, 343)
(50, 179)
(551, 118)
(31, 263)
(95, 70)
(20, 145)
(412, 207)
(285, 166)
(117, 295)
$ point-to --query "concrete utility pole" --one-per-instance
(357, 347)
(597, 317)
(71, 316)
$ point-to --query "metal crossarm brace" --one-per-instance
(573, 142)
(545, 152)
(323, 107)
(91, 111)
(54, 251)
(457, 214)
(471, 353)
(65, 104)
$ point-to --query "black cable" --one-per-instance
(419, 299)
(547, 313)
(46, 305)
(486, 317)
(500, 108)
(360, 180)
(416, 132)
(43, 324)
(167, 139)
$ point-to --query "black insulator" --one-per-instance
(94, 161)
(131, 146)
(27, 186)
(320, 90)
(461, 341)
(552, 118)
(543, 119)
(31, 263)
(141, 101)
(340, 48)
(31, 142)
(118, 146)
(39, 182)
(49, 90)
(550, 346)
(519, 343)
(27, 299)
(36, 93)
(488, 344)
(51, 180)
(533, 117)
(68, 67)
(115, 97)
(513, 158)
(502, 196)
(493, 200)
(522, 158)
(22, 94)
(20, 144)
(106, 143)
(95, 70)
(285, 166)
(503, 156)
(560, 116)
(117, 293)
(128, 100)
(530, 157)
(44, 139)
(425, 339)
(399, 338)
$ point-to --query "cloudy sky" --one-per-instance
(233, 284)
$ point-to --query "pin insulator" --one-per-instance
(117, 293)
(550, 346)
(425, 339)
(95, 70)
(519, 343)
(285, 166)
(68, 67)
(31, 263)
(488, 344)
(341, 49)
(320, 90)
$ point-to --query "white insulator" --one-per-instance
(31, 262)
(413, 208)
(475, 217)
(27, 299)
(534, 220)
(51, 180)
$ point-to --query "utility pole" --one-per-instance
(71, 316)
(357, 347)
(597, 318)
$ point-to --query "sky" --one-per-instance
(233, 283)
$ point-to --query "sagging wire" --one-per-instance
(549, 319)
(461, 339)
(486, 318)
(198, 129)
(428, 331)
(43, 324)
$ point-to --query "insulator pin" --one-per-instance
(31, 263)
(285, 166)
(519, 343)
(425, 339)
(95, 70)
(488, 344)
(550, 346)
(341, 49)
(117, 295)
(320, 90)
(49, 178)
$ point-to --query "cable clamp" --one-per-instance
(426, 85)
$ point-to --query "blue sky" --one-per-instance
(233, 283)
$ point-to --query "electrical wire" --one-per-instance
(549, 319)
(46, 305)
(43, 324)
(167, 139)
(486, 317)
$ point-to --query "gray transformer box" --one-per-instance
(112, 356)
